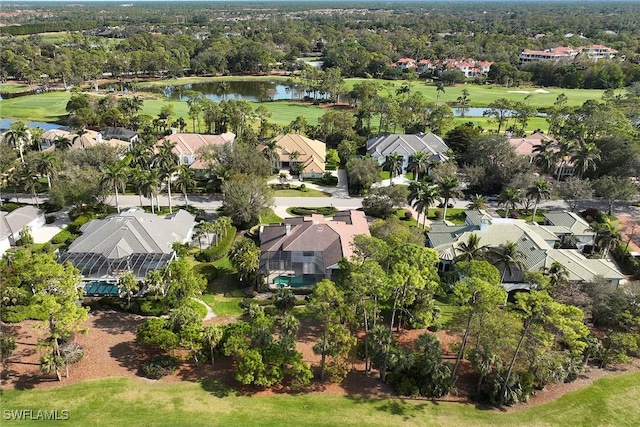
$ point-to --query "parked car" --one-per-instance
(449, 205)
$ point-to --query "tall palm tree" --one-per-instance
(46, 165)
(509, 198)
(18, 136)
(393, 163)
(114, 177)
(36, 138)
(585, 157)
(509, 257)
(563, 155)
(294, 165)
(448, 188)
(184, 181)
(426, 197)
(607, 235)
(31, 184)
(439, 88)
(151, 186)
(166, 160)
(416, 189)
(538, 191)
(271, 152)
(471, 249)
(477, 201)
(545, 155)
(419, 164)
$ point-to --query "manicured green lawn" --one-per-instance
(223, 306)
(454, 215)
(612, 401)
(13, 87)
(447, 312)
(270, 218)
(45, 107)
(310, 192)
(539, 218)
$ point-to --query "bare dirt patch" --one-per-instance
(111, 351)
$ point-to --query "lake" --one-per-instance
(5, 123)
(257, 91)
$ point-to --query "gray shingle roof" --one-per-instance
(133, 232)
(571, 220)
(408, 145)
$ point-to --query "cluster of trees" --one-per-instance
(34, 286)
(159, 45)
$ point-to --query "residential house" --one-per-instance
(50, 136)
(119, 133)
(598, 51)
(526, 147)
(553, 54)
(569, 226)
(12, 223)
(405, 64)
(188, 146)
(305, 250)
(540, 244)
(312, 154)
(379, 147)
(131, 241)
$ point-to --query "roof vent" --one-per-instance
(287, 228)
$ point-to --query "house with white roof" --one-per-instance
(540, 244)
(379, 147)
(12, 223)
(131, 241)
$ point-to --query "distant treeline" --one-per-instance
(47, 27)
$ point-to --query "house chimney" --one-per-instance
(287, 227)
(484, 224)
(174, 131)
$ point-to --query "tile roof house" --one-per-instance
(12, 223)
(526, 147)
(313, 154)
(305, 250)
(188, 146)
(88, 138)
(129, 241)
(379, 147)
(122, 134)
(538, 242)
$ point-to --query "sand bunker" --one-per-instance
(528, 91)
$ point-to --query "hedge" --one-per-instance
(303, 211)
(219, 251)
(20, 313)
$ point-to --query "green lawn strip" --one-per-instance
(271, 218)
(223, 306)
(13, 87)
(400, 213)
(523, 214)
(609, 401)
(454, 215)
(309, 192)
(447, 310)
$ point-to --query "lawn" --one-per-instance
(13, 87)
(454, 215)
(539, 218)
(612, 401)
(45, 107)
(447, 310)
(270, 218)
(309, 192)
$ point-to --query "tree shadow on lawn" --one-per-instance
(115, 322)
(128, 355)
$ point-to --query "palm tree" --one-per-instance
(607, 235)
(448, 189)
(128, 286)
(545, 155)
(31, 184)
(585, 157)
(419, 164)
(393, 163)
(563, 155)
(115, 177)
(155, 282)
(18, 136)
(509, 198)
(439, 88)
(294, 165)
(271, 152)
(538, 191)
(62, 143)
(150, 186)
(477, 201)
(509, 257)
(426, 195)
(47, 165)
(471, 249)
(167, 162)
(557, 273)
(36, 138)
(184, 181)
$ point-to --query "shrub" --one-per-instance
(437, 214)
(20, 313)
(159, 366)
(50, 219)
(61, 237)
(514, 214)
(301, 211)
(408, 215)
(303, 188)
(10, 207)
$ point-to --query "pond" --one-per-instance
(5, 123)
(255, 91)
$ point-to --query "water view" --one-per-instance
(256, 91)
